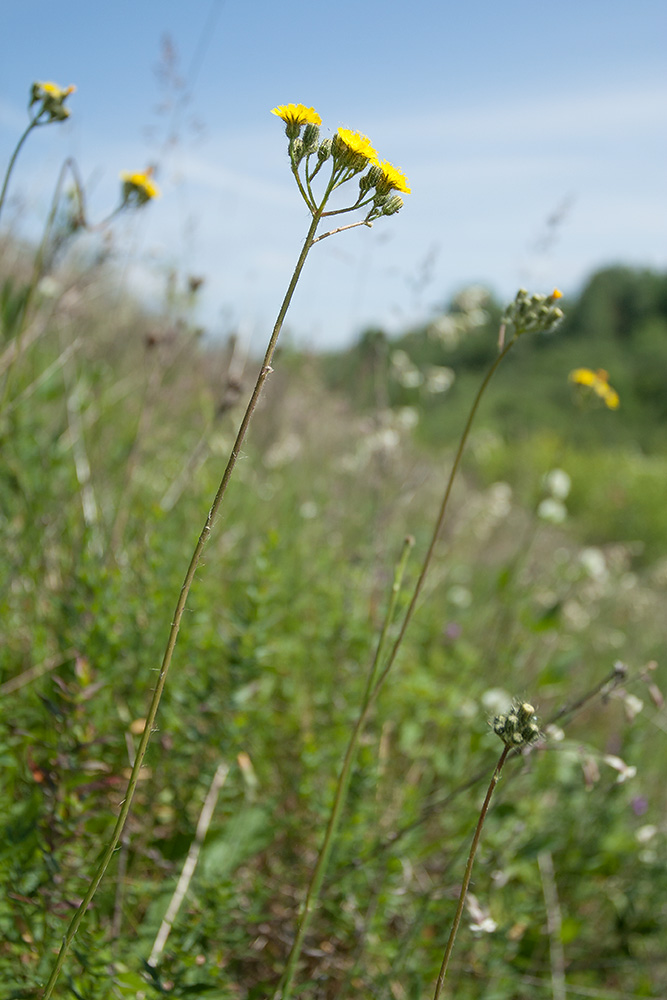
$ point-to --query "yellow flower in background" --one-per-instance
(598, 381)
(393, 179)
(41, 90)
(139, 188)
(296, 115)
(52, 97)
(357, 145)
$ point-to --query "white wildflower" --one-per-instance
(595, 564)
(439, 378)
(558, 484)
(625, 771)
(552, 510)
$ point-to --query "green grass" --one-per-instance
(271, 663)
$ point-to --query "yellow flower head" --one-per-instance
(356, 148)
(52, 97)
(598, 382)
(139, 188)
(53, 90)
(296, 115)
(556, 294)
(393, 179)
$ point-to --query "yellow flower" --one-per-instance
(296, 115)
(139, 188)
(52, 97)
(556, 294)
(54, 91)
(358, 145)
(611, 398)
(393, 179)
(597, 381)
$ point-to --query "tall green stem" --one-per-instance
(375, 681)
(440, 519)
(468, 872)
(264, 372)
(10, 166)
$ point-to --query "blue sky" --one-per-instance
(503, 116)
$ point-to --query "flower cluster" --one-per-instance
(350, 152)
(533, 313)
(519, 727)
(598, 383)
(52, 99)
(138, 188)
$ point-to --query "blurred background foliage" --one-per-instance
(114, 431)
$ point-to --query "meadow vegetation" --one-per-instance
(548, 583)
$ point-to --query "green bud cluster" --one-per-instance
(309, 144)
(532, 313)
(384, 204)
(518, 728)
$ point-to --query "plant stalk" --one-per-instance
(33, 124)
(375, 681)
(440, 519)
(468, 872)
(264, 372)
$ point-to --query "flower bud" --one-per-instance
(499, 724)
(525, 711)
(371, 179)
(311, 138)
(297, 150)
(324, 151)
(392, 205)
